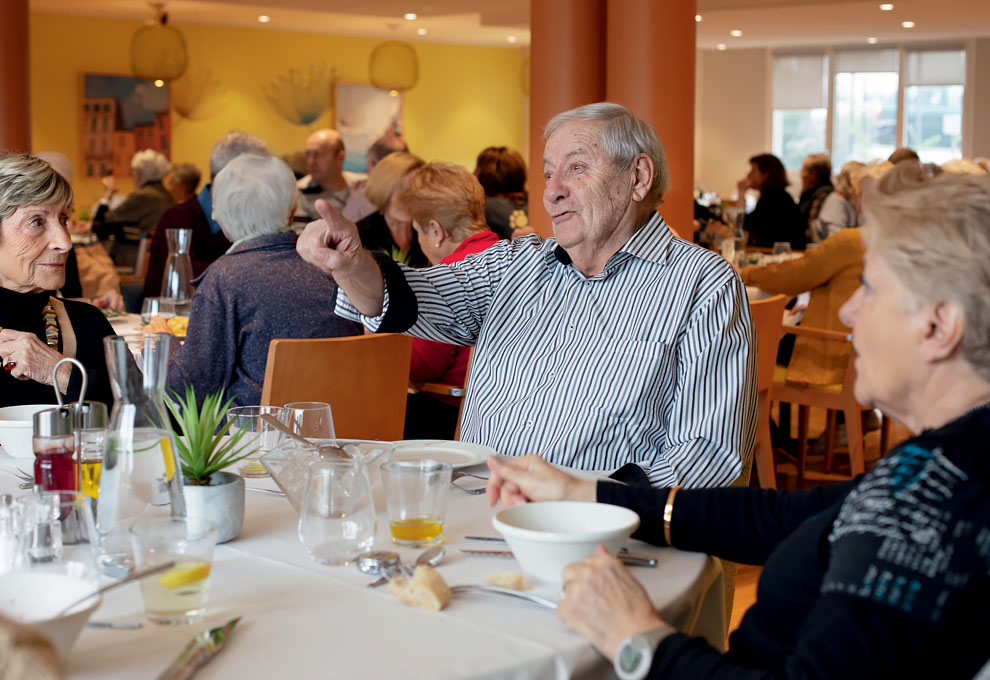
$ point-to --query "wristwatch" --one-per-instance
(635, 655)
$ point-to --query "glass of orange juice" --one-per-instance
(416, 495)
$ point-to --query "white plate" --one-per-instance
(458, 454)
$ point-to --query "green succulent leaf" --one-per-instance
(204, 447)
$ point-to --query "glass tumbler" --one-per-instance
(337, 517)
(416, 495)
(260, 436)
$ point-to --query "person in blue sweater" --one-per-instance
(884, 576)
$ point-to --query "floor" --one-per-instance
(745, 596)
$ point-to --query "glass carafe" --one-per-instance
(141, 475)
(177, 281)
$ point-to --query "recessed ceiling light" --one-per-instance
(735, 33)
(264, 19)
(420, 31)
(907, 24)
(721, 46)
(410, 16)
(871, 40)
(512, 39)
(159, 83)
(886, 7)
(697, 17)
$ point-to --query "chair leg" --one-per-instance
(884, 434)
(802, 440)
(854, 432)
(764, 448)
(829, 439)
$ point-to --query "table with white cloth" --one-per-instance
(303, 620)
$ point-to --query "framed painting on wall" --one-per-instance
(363, 114)
(121, 115)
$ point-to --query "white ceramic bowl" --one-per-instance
(546, 537)
(34, 598)
(17, 429)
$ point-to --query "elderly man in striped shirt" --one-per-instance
(612, 345)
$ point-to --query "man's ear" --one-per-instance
(642, 167)
(942, 336)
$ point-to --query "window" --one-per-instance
(800, 87)
(933, 103)
(864, 126)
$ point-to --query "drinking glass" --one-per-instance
(416, 496)
(309, 419)
(337, 517)
(149, 308)
(781, 248)
(260, 436)
(179, 595)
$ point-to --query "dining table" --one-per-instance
(301, 619)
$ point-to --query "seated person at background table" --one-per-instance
(36, 328)
(839, 209)
(138, 214)
(884, 576)
(612, 343)
(260, 290)
(903, 153)
(446, 206)
(327, 178)
(816, 185)
(384, 231)
(358, 206)
(182, 181)
(502, 173)
(196, 213)
(776, 217)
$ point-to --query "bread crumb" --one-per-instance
(509, 579)
(426, 589)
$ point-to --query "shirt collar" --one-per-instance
(650, 242)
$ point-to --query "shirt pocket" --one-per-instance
(632, 377)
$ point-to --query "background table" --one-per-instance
(301, 619)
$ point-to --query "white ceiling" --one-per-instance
(764, 23)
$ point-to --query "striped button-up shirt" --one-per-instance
(651, 361)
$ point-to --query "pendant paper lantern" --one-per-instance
(393, 66)
(158, 51)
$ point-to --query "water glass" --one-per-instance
(309, 419)
(179, 595)
(781, 248)
(337, 517)
(150, 307)
(416, 495)
(260, 436)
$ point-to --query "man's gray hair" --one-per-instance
(624, 136)
(253, 196)
(27, 180)
(232, 145)
(150, 165)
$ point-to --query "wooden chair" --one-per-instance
(364, 379)
(834, 398)
(768, 317)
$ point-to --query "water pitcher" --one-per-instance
(141, 475)
(177, 281)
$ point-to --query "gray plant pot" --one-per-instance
(221, 502)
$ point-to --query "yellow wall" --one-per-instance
(467, 98)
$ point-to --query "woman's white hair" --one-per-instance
(150, 165)
(624, 136)
(232, 145)
(253, 195)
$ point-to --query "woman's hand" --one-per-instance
(530, 478)
(157, 325)
(27, 358)
(603, 603)
(112, 299)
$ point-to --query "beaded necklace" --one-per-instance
(51, 325)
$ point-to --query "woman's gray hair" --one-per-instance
(28, 180)
(253, 196)
(150, 165)
(232, 145)
(934, 233)
(624, 136)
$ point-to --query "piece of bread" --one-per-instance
(508, 579)
(426, 589)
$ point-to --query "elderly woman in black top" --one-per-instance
(885, 576)
(776, 216)
(38, 329)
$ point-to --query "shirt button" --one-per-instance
(570, 327)
(551, 374)
(529, 423)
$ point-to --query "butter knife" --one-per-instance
(198, 652)
(627, 559)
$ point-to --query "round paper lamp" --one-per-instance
(158, 52)
(393, 66)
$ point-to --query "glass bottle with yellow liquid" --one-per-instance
(140, 477)
(91, 434)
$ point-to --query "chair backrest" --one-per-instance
(364, 378)
(768, 320)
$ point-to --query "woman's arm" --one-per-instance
(814, 269)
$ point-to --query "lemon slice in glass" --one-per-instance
(185, 573)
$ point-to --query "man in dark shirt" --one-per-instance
(816, 185)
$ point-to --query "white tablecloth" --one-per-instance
(304, 620)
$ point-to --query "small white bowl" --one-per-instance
(17, 429)
(546, 537)
(33, 599)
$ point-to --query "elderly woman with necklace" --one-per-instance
(884, 576)
(38, 329)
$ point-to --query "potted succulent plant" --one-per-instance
(204, 450)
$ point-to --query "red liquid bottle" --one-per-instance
(54, 446)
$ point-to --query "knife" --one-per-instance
(198, 652)
(627, 559)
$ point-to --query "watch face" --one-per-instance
(629, 658)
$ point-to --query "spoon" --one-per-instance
(164, 566)
(384, 563)
(326, 451)
(428, 558)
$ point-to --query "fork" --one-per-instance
(23, 475)
(503, 592)
(458, 474)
